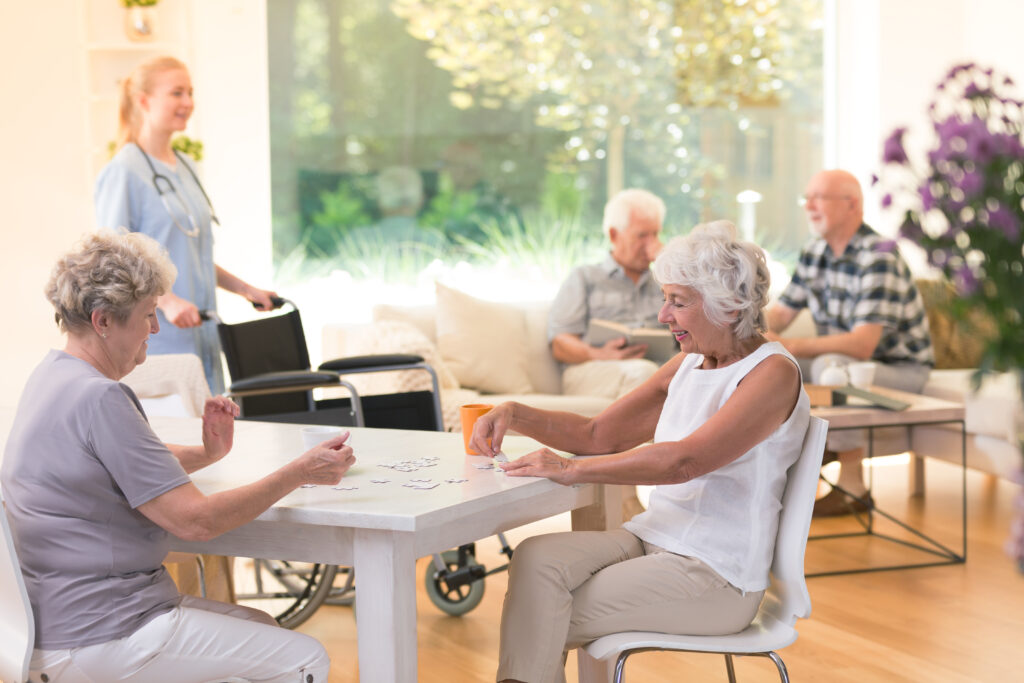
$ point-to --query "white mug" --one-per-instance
(314, 435)
(862, 375)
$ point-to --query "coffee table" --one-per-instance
(923, 410)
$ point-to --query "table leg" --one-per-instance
(385, 605)
(605, 513)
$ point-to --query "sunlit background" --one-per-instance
(477, 143)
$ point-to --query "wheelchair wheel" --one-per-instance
(292, 591)
(453, 600)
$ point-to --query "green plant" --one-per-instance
(182, 143)
(370, 257)
(186, 145)
(543, 243)
(139, 3)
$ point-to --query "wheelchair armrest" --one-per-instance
(275, 382)
(361, 362)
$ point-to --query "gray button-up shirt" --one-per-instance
(603, 290)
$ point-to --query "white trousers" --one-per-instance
(201, 641)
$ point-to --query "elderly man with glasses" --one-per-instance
(865, 308)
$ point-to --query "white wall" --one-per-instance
(42, 172)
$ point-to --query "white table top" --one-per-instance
(262, 447)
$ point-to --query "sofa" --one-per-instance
(493, 352)
(482, 351)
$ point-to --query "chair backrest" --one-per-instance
(788, 597)
(270, 343)
(17, 626)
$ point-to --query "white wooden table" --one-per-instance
(382, 528)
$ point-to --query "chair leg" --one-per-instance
(620, 667)
(729, 669)
(201, 568)
(783, 674)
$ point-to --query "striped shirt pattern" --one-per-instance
(869, 283)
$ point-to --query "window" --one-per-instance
(413, 134)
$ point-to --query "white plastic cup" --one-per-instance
(862, 375)
(314, 435)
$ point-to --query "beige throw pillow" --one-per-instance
(483, 343)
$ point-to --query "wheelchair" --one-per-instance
(271, 380)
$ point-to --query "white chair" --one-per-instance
(785, 601)
(17, 626)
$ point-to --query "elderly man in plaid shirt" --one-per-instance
(865, 307)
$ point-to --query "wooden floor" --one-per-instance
(952, 623)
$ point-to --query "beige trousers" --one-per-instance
(567, 589)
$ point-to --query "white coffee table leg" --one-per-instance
(385, 606)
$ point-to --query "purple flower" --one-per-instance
(927, 198)
(886, 246)
(893, 152)
(965, 281)
(887, 201)
(1004, 221)
(971, 183)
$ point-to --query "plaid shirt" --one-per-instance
(869, 283)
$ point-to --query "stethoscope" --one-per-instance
(168, 188)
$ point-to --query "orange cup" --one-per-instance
(469, 414)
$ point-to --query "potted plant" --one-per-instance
(965, 207)
(140, 19)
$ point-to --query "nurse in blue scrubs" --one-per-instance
(149, 187)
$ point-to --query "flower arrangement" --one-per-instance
(966, 209)
(966, 205)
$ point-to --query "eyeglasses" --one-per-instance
(808, 198)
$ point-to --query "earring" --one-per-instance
(104, 335)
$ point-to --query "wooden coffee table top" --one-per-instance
(858, 413)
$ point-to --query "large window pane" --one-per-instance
(411, 135)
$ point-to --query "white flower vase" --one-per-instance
(140, 23)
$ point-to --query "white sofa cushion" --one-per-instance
(483, 343)
(989, 411)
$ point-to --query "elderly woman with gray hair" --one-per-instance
(92, 495)
(727, 417)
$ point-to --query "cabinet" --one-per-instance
(110, 56)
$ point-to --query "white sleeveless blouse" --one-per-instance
(727, 518)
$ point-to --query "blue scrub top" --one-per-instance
(126, 197)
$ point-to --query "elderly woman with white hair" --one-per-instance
(92, 495)
(727, 416)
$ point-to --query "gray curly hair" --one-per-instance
(107, 271)
(731, 276)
